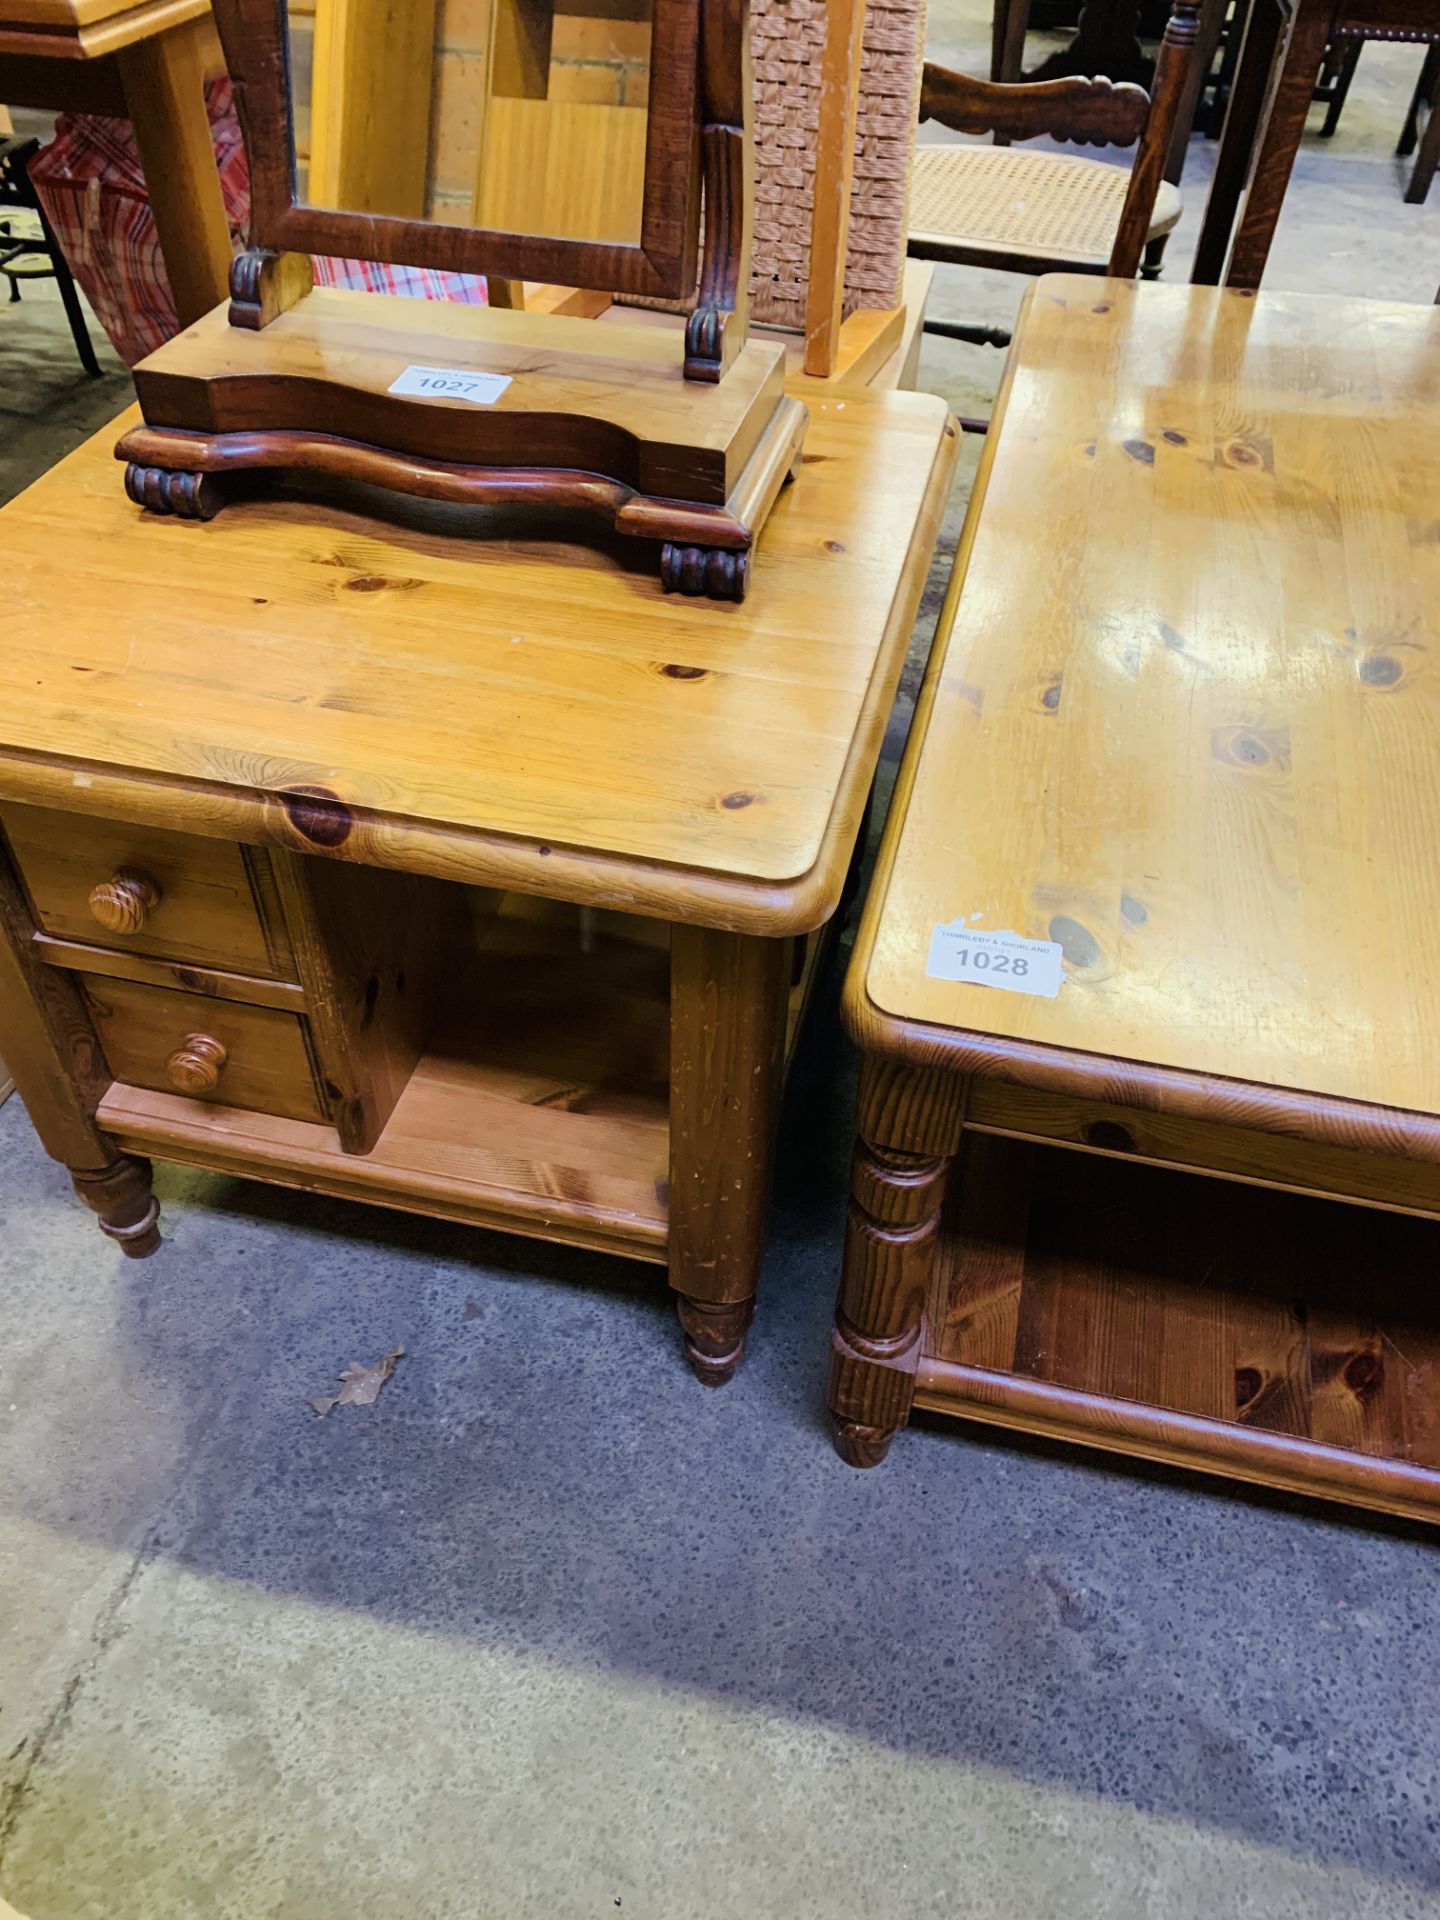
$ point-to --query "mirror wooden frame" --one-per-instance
(255, 38)
(686, 446)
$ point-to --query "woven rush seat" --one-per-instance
(999, 200)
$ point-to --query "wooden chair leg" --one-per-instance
(1009, 25)
(1212, 21)
(1232, 38)
(1345, 73)
(1012, 52)
(1246, 104)
(65, 284)
(1279, 142)
(1428, 158)
(999, 14)
(1154, 258)
(909, 1125)
(1419, 99)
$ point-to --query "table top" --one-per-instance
(1187, 723)
(88, 29)
(528, 709)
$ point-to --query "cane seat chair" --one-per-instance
(1036, 212)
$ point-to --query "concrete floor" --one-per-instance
(552, 1632)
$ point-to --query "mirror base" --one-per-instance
(600, 421)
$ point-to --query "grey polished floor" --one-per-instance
(551, 1632)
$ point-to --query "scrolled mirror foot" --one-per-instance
(264, 282)
(721, 573)
(191, 496)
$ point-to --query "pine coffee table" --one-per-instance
(478, 877)
(1146, 985)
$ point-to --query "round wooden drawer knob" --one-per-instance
(195, 1065)
(123, 903)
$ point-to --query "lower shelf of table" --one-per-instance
(1256, 1334)
(541, 1105)
(539, 1111)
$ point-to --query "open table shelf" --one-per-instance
(1271, 1337)
(541, 1104)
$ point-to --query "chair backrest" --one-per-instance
(1094, 113)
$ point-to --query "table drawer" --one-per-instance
(1203, 1146)
(215, 1050)
(176, 896)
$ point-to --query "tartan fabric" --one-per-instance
(91, 184)
(410, 283)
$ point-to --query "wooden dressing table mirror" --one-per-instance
(684, 442)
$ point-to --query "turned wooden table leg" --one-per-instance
(61, 1075)
(728, 999)
(909, 1125)
(1264, 24)
(121, 1195)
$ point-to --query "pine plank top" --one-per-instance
(520, 710)
(1188, 720)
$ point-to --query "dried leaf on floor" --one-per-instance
(360, 1386)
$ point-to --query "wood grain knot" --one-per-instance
(1251, 750)
(1102, 306)
(1380, 670)
(1175, 438)
(835, 546)
(1248, 1382)
(1109, 1136)
(734, 801)
(378, 582)
(674, 671)
(1050, 698)
(1078, 946)
(1364, 1374)
(318, 815)
(1140, 450)
(1133, 910)
(1245, 454)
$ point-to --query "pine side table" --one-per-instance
(474, 877)
(1151, 932)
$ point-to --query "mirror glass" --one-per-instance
(518, 115)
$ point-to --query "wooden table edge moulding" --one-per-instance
(351, 897)
(930, 1093)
